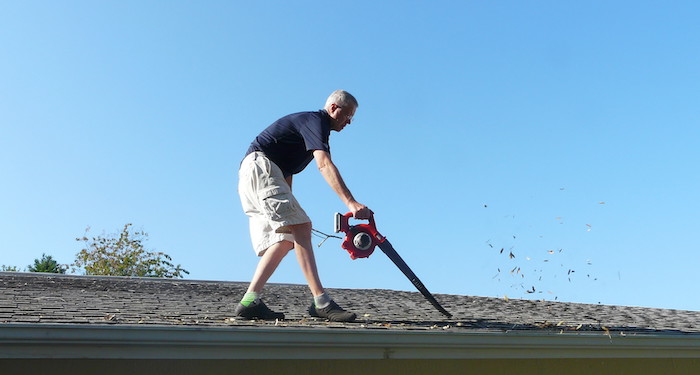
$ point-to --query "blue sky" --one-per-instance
(563, 133)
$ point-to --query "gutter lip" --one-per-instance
(19, 340)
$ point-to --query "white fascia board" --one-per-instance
(178, 342)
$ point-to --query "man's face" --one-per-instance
(341, 115)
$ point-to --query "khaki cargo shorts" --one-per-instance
(268, 201)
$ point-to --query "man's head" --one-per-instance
(341, 106)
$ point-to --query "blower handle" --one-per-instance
(342, 224)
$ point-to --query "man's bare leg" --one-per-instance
(251, 306)
(305, 256)
(268, 264)
(323, 305)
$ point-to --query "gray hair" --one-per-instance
(341, 98)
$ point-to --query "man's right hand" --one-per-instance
(359, 210)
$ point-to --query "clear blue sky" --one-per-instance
(564, 133)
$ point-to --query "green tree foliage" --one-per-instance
(124, 255)
(4, 268)
(46, 264)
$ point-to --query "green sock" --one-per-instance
(249, 298)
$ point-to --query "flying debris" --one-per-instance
(542, 270)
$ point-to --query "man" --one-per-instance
(278, 224)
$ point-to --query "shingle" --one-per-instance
(50, 298)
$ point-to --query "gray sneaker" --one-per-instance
(332, 312)
(257, 310)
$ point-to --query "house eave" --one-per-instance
(191, 342)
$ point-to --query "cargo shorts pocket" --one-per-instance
(278, 207)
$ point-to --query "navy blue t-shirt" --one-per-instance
(290, 141)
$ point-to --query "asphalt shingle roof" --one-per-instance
(92, 300)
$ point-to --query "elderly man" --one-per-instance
(278, 224)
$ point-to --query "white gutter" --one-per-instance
(177, 342)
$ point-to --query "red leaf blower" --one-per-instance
(360, 241)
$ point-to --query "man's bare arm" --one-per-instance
(335, 180)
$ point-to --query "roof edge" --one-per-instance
(166, 342)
